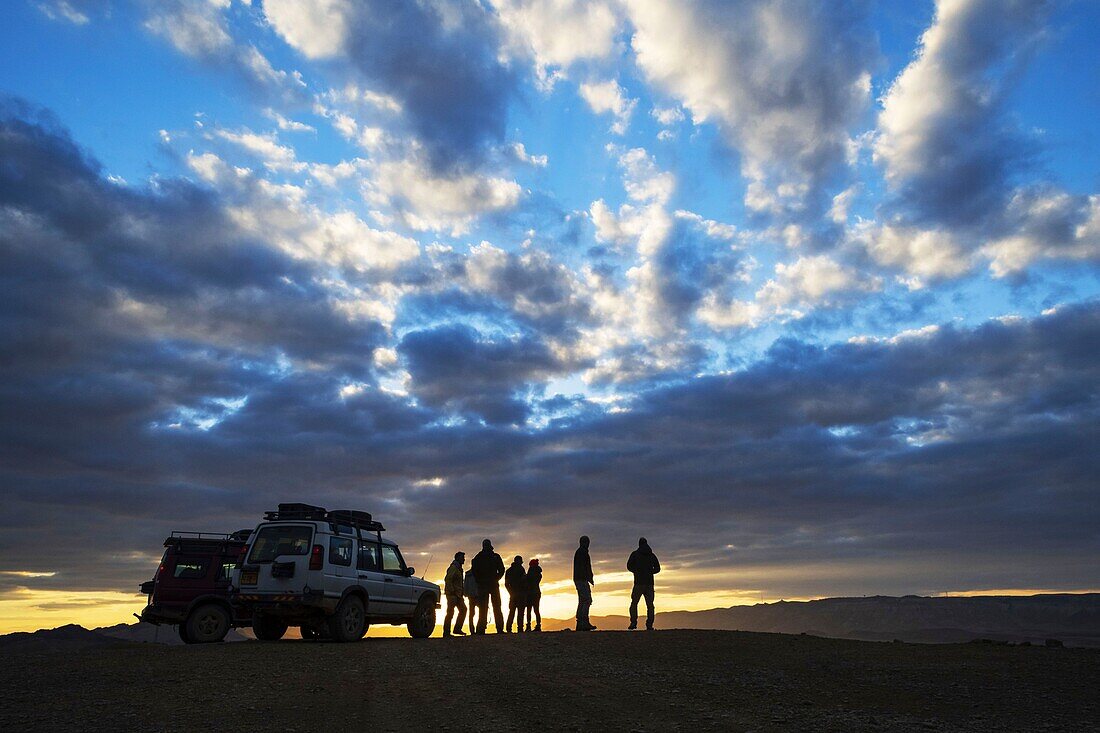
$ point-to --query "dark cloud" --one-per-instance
(442, 61)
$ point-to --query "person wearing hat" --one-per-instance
(452, 586)
(515, 580)
(488, 569)
(534, 594)
(644, 564)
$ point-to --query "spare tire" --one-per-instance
(268, 628)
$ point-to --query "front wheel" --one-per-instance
(349, 623)
(268, 628)
(422, 623)
(207, 624)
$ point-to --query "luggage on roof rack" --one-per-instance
(298, 511)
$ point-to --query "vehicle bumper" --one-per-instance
(284, 604)
(157, 615)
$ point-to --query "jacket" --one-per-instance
(644, 564)
(452, 582)
(469, 586)
(582, 566)
(488, 568)
(515, 580)
(534, 578)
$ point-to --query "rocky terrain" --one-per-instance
(656, 681)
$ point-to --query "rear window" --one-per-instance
(190, 567)
(276, 539)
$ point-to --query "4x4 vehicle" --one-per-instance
(331, 574)
(191, 585)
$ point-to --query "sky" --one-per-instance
(804, 291)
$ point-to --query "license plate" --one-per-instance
(249, 578)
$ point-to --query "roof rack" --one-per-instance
(351, 517)
(204, 539)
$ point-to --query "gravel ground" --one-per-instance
(610, 681)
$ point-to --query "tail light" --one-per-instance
(241, 555)
(317, 558)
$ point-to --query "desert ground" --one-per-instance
(612, 681)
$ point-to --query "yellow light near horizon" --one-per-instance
(24, 609)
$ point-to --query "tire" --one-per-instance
(182, 628)
(422, 623)
(207, 624)
(268, 628)
(349, 623)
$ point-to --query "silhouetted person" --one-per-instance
(644, 564)
(515, 580)
(488, 569)
(469, 587)
(534, 594)
(582, 578)
(452, 586)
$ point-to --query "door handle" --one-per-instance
(363, 577)
(389, 580)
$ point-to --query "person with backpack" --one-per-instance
(473, 594)
(488, 569)
(534, 594)
(644, 564)
(452, 587)
(515, 580)
(583, 579)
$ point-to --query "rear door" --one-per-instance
(278, 561)
(370, 576)
(400, 592)
(339, 564)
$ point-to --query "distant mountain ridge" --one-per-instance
(1070, 617)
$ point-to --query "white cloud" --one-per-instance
(286, 124)
(783, 79)
(558, 33)
(927, 254)
(1050, 224)
(427, 201)
(668, 116)
(317, 28)
(608, 96)
(519, 151)
(648, 223)
(64, 10)
(265, 147)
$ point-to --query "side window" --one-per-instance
(190, 568)
(226, 568)
(368, 556)
(339, 551)
(391, 561)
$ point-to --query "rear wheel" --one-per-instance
(423, 621)
(349, 623)
(206, 624)
(268, 628)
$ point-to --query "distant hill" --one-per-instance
(1073, 618)
(69, 636)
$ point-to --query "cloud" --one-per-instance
(784, 81)
(558, 33)
(76, 12)
(943, 139)
(609, 97)
(441, 61)
(198, 29)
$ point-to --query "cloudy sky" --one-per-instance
(805, 291)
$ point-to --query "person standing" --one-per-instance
(644, 564)
(452, 586)
(470, 589)
(534, 594)
(515, 580)
(582, 578)
(488, 569)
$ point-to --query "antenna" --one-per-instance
(427, 566)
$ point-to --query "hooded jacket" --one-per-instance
(534, 579)
(644, 564)
(452, 582)
(515, 580)
(488, 568)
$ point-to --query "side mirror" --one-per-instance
(410, 572)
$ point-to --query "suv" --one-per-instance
(191, 585)
(331, 574)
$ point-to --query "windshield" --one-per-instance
(280, 539)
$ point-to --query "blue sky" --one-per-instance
(490, 236)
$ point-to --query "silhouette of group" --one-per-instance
(480, 585)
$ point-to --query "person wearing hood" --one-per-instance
(534, 594)
(488, 569)
(583, 580)
(452, 586)
(515, 580)
(644, 564)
